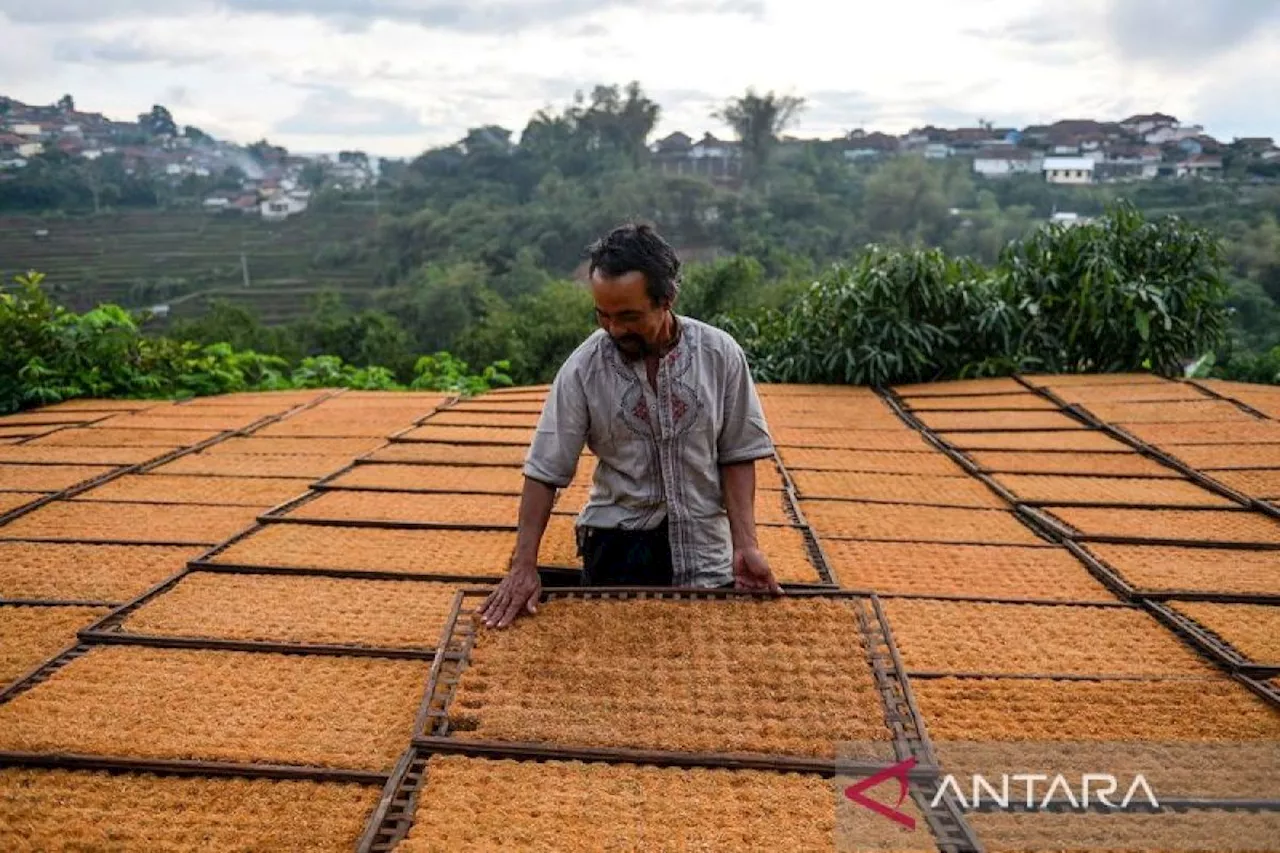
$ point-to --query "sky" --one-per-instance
(394, 77)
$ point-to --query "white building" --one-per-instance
(30, 149)
(1068, 170)
(1201, 166)
(938, 151)
(280, 207)
(1173, 133)
(1000, 163)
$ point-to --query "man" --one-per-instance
(668, 407)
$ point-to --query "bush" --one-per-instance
(1115, 295)
(49, 354)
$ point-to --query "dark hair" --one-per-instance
(636, 247)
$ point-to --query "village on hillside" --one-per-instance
(270, 182)
(1142, 147)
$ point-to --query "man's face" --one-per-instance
(624, 310)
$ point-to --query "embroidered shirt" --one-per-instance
(658, 452)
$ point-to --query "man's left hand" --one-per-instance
(751, 572)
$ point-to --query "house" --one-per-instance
(677, 143)
(246, 204)
(1254, 145)
(30, 149)
(1141, 125)
(1068, 170)
(1002, 162)
(1201, 166)
(1133, 162)
(1064, 217)
(1073, 131)
(860, 145)
(678, 154)
(9, 142)
(1173, 133)
(968, 139)
(280, 207)
(26, 128)
(938, 151)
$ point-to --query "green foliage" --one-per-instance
(49, 354)
(444, 372)
(1119, 294)
(716, 288)
(1250, 367)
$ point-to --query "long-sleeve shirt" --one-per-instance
(658, 452)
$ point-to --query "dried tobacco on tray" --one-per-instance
(260, 492)
(125, 522)
(139, 702)
(1026, 639)
(1251, 629)
(384, 614)
(1212, 709)
(61, 571)
(902, 439)
(1156, 568)
(10, 501)
(47, 478)
(1035, 488)
(485, 805)
(448, 552)
(77, 810)
(816, 470)
(305, 466)
(908, 489)
(30, 636)
(1208, 525)
(1082, 463)
(1032, 440)
(992, 571)
(679, 675)
(847, 519)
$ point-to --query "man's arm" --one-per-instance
(551, 463)
(751, 569)
(522, 587)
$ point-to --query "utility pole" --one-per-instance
(244, 268)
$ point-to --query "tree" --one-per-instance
(266, 153)
(67, 104)
(757, 121)
(158, 122)
(197, 135)
(621, 122)
(906, 201)
(312, 176)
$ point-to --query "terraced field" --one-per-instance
(249, 622)
(185, 258)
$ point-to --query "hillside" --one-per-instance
(143, 258)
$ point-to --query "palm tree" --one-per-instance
(757, 120)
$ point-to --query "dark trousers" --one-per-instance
(613, 557)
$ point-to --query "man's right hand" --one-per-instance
(518, 593)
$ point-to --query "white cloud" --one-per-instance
(416, 73)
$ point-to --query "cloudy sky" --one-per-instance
(396, 76)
